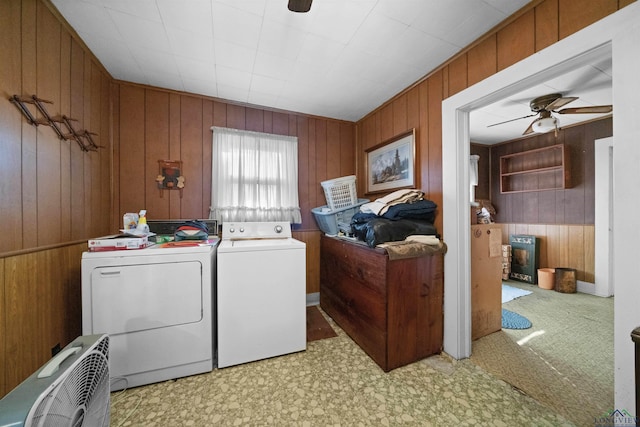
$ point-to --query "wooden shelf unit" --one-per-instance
(540, 169)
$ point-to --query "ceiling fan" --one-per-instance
(543, 106)
(299, 5)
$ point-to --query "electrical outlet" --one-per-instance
(55, 349)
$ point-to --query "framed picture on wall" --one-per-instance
(391, 164)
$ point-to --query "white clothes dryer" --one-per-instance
(261, 292)
(157, 306)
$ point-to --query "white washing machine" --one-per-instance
(261, 297)
(157, 305)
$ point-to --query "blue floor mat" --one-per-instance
(511, 320)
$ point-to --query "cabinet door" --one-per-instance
(140, 297)
(353, 292)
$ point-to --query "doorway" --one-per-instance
(614, 35)
(455, 180)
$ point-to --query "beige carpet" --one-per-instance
(565, 360)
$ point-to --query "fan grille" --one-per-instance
(82, 397)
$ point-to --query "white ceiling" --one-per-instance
(342, 59)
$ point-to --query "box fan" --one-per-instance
(72, 389)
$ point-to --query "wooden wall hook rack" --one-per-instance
(91, 145)
(46, 120)
(20, 102)
(83, 137)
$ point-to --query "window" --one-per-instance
(254, 177)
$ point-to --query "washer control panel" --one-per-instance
(256, 230)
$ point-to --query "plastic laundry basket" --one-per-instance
(340, 192)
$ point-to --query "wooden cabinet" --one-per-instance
(391, 308)
(486, 279)
(540, 169)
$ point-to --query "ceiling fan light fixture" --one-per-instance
(545, 124)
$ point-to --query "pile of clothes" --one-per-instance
(485, 212)
(394, 217)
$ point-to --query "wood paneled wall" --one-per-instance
(533, 28)
(575, 205)
(312, 240)
(561, 245)
(562, 219)
(52, 191)
(154, 124)
(40, 307)
(53, 194)
(420, 109)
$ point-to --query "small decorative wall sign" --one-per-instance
(170, 177)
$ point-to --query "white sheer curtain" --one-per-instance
(254, 177)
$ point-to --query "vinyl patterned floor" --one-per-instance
(333, 383)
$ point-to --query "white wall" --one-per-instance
(626, 205)
(617, 35)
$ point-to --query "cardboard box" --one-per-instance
(118, 242)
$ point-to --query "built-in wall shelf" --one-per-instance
(540, 169)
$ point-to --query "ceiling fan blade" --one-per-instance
(299, 5)
(530, 128)
(595, 109)
(560, 102)
(512, 120)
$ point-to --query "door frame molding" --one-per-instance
(603, 222)
(617, 35)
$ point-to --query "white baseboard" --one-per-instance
(313, 299)
(589, 288)
(585, 287)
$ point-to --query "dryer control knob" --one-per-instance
(241, 230)
(232, 230)
(278, 229)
